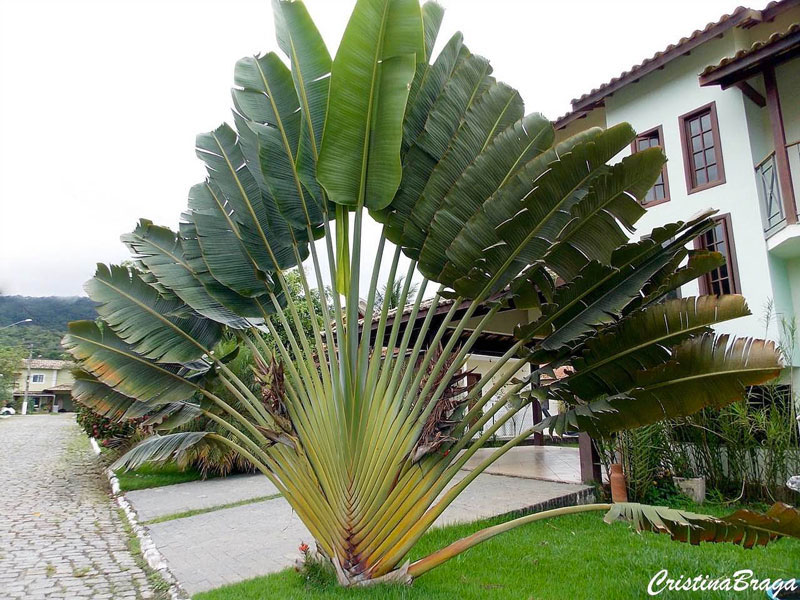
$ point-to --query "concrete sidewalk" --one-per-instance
(226, 546)
(197, 495)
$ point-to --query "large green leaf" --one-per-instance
(224, 252)
(300, 40)
(159, 328)
(172, 416)
(743, 527)
(264, 232)
(105, 401)
(704, 371)
(432, 15)
(601, 293)
(359, 160)
(252, 310)
(163, 253)
(699, 263)
(506, 216)
(113, 362)
(267, 98)
(160, 448)
(310, 62)
(221, 244)
(454, 82)
(594, 233)
(487, 121)
(610, 362)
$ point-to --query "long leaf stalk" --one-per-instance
(381, 410)
(416, 521)
(394, 361)
(394, 421)
(415, 488)
(415, 508)
(376, 360)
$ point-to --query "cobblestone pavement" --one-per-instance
(60, 533)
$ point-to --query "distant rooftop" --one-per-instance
(44, 363)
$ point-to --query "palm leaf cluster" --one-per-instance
(362, 431)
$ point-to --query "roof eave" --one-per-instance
(751, 63)
(741, 17)
(746, 16)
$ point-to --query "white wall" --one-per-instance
(524, 418)
(659, 99)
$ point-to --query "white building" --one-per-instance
(723, 104)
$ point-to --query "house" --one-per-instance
(49, 383)
(722, 103)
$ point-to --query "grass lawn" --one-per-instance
(574, 557)
(149, 476)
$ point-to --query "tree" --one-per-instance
(392, 294)
(361, 435)
(10, 364)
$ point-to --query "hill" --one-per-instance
(50, 317)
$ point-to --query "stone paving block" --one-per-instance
(55, 510)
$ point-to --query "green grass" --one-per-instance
(200, 511)
(576, 557)
(150, 476)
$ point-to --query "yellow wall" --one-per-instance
(52, 377)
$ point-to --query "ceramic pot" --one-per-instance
(619, 490)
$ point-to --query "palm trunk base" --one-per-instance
(348, 578)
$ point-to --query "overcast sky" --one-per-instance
(100, 101)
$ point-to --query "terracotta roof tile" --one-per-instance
(758, 45)
(740, 16)
(679, 44)
(43, 363)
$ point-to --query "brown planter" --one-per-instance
(619, 490)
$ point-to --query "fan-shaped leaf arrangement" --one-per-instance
(361, 425)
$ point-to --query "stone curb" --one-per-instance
(584, 496)
(150, 552)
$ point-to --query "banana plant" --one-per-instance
(362, 428)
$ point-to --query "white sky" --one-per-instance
(100, 101)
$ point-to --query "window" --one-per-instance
(702, 152)
(660, 191)
(723, 279)
(37, 378)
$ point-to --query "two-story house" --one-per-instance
(49, 383)
(723, 104)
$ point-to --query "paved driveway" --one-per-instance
(228, 545)
(60, 533)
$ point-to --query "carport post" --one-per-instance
(590, 460)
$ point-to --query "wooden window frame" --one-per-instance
(634, 150)
(688, 166)
(733, 265)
